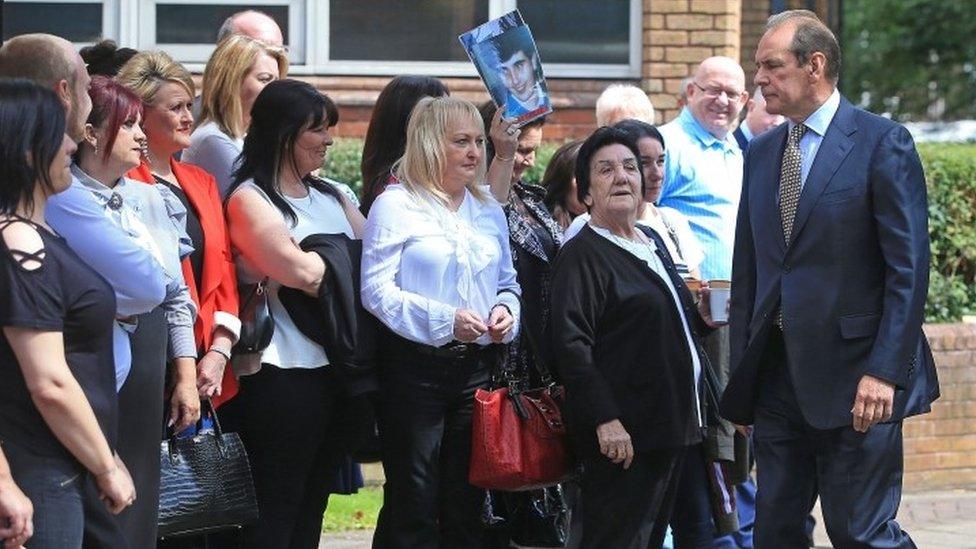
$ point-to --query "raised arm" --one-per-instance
(136, 277)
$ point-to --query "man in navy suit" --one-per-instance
(829, 280)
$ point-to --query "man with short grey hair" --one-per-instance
(621, 102)
(829, 283)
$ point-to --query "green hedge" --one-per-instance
(951, 173)
(950, 170)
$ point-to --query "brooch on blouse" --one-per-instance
(115, 201)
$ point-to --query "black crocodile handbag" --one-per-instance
(205, 482)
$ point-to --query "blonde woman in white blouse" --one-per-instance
(437, 271)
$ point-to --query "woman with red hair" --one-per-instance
(113, 144)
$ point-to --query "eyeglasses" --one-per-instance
(716, 92)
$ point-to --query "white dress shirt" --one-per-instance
(422, 262)
(817, 124)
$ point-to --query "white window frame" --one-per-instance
(111, 14)
(134, 22)
(198, 53)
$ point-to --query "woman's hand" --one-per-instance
(210, 374)
(16, 514)
(500, 323)
(115, 487)
(615, 442)
(184, 402)
(504, 135)
(468, 326)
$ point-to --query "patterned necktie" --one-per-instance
(790, 180)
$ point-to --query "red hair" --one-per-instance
(114, 104)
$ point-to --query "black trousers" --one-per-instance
(629, 509)
(283, 418)
(425, 422)
(857, 476)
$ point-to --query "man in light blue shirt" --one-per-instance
(703, 172)
(703, 180)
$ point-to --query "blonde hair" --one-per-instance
(147, 71)
(421, 168)
(224, 75)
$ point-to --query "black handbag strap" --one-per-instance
(206, 406)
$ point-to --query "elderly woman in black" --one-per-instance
(626, 331)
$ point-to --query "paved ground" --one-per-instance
(936, 520)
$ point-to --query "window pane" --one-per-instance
(579, 31)
(74, 22)
(199, 23)
(398, 30)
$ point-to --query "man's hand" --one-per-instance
(468, 326)
(16, 513)
(615, 442)
(500, 323)
(873, 403)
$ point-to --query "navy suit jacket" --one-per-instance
(740, 137)
(852, 283)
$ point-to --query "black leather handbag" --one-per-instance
(257, 324)
(205, 483)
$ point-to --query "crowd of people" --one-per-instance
(140, 223)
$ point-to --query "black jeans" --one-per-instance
(285, 421)
(425, 420)
(55, 487)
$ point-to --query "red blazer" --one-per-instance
(219, 279)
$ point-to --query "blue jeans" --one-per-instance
(54, 486)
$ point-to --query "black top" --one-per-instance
(621, 345)
(63, 295)
(534, 238)
(193, 229)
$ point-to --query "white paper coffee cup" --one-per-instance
(718, 299)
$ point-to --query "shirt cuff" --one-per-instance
(181, 343)
(229, 322)
(511, 301)
(440, 323)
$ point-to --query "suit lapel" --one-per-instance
(836, 145)
(767, 189)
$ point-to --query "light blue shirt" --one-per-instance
(816, 124)
(138, 280)
(703, 181)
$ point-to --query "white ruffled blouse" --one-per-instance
(422, 262)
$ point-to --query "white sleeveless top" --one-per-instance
(317, 213)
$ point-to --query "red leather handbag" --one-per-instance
(518, 439)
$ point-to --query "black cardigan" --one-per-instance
(621, 346)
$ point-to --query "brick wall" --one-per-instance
(940, 447)
(679, 34)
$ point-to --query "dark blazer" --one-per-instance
(621, 345)
(852, 283)
(740, 137)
